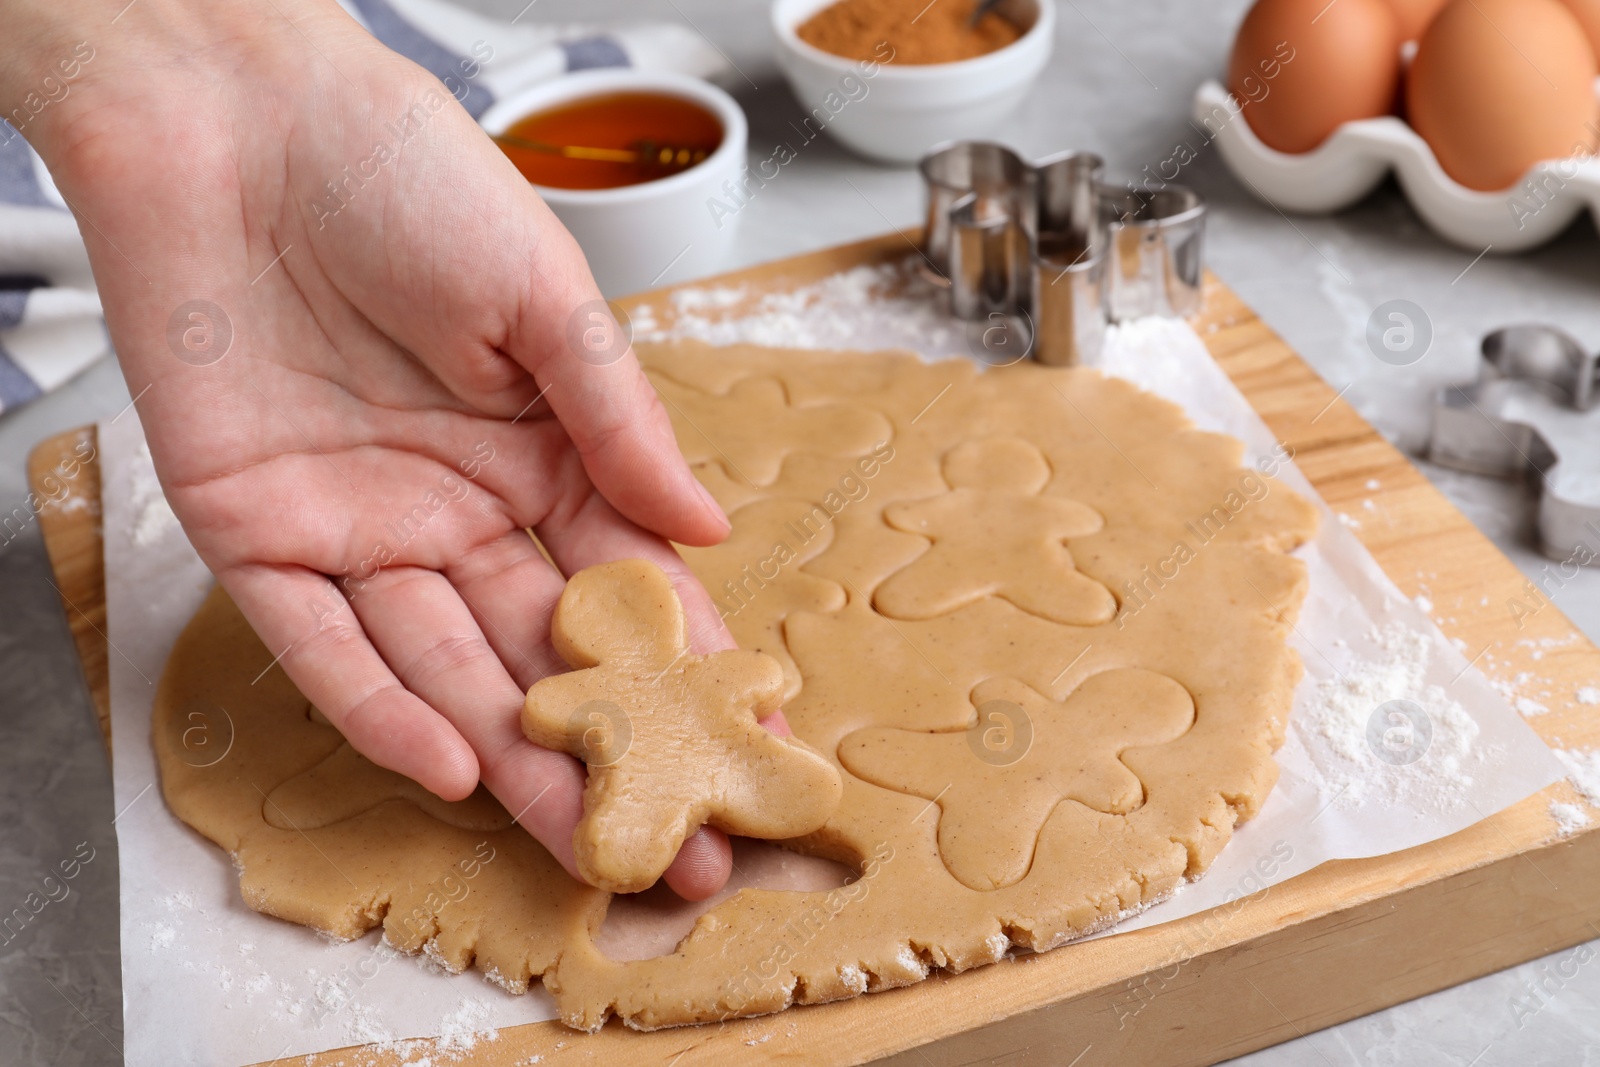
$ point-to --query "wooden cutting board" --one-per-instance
(1340, 941)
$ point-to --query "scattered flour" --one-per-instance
(1550, 642)
(510, 985)
(1583, 771)
(1510, 688)
(1345, 731)
(464, 1028)
(868, 307)
(431, 958)
(74, 502)
(997, 944)
(720, 298)
(908, 959)
(161, 935)
(152, 516)
(330, 992)
(363, 1025)
(1589, 695)
(1570, 818)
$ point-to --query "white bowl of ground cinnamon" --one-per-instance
(891, 78)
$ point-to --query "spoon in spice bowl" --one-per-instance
(643, 153)
(980, 9)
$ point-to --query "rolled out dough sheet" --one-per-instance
(180, 898)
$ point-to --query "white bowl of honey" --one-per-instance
(892, 78)
(637, 165)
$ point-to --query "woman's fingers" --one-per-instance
(425, 672)
(512, 590)
(420, 626)
(702, 865)
(568, 338)
(427, 634)
(323, 648)
(543, 791)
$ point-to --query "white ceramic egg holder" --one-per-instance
(1355, 159)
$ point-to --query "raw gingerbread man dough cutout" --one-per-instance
(671, 738)
(997, 782)
(766, 428)
(994, 535)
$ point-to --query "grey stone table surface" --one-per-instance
(1120, 84)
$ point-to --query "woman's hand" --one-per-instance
(366, 357)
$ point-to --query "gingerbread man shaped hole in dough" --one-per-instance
(994, 535)
(671, 738)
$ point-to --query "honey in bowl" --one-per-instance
(611, 140)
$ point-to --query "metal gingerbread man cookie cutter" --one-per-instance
(1486, 427)
(1050, 248)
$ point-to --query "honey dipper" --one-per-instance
(643, 153)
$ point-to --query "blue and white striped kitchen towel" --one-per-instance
(50, 322)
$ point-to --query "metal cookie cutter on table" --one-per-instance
(1038, 257)
(1493, 426)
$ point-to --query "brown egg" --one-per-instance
(1303, 67)
(1499, 85)
(1414, 16)
(1587, 12)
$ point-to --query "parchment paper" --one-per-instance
(1315, 814)
(206, 980)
